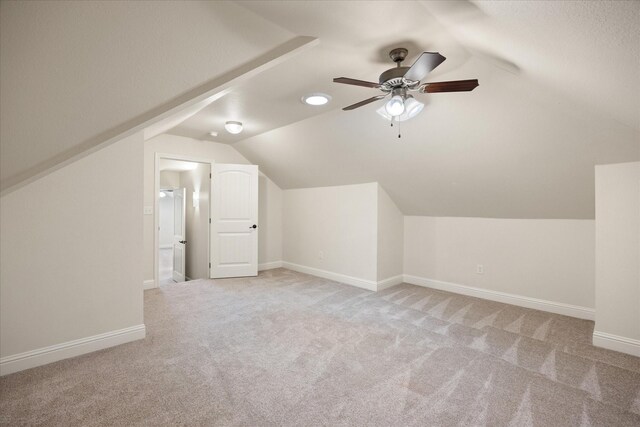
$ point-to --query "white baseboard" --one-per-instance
(149, 284)
(522, 301)
(45, 355)
(615, 342)
(349, 280)
(269, 265)
(389, 282)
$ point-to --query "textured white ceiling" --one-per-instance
(73, 72)
(559, 92)
(176, 165)
(352, 48)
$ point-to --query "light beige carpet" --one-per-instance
(290, 349)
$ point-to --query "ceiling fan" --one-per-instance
(400, 81)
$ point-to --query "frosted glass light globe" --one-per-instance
(413, 107)
(395, 106)
(233, 127)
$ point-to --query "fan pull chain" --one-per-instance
(399, 136)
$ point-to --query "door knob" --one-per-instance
(184, 242)
(253, 226)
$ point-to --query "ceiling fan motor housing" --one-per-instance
(398, 54)
(393, 78)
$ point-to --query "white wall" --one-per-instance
(169, 179)
(197, 221)
(270, 219)
(340, 222)
(390, 237)
(551, 260)
(618, 256)
(270, 200)
(165, 216)
(365, 239)
(70, 252)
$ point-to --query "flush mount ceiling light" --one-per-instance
(233, 127)
(316, 99)
(213, 133)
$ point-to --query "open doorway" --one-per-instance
(182, 251)
(214, 221)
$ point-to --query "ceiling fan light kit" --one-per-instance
(395, 106)
(412, 107)
(398, 81)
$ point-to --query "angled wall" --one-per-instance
(390, 241)
(70, 268)
(349, 233)
(542, 264)
(618, 257)
(332, 232)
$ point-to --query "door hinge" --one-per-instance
(209, 265)
(209, 220)
(209, 175)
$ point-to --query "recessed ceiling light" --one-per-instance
(233, 127)
(316, 99)
(213, 133)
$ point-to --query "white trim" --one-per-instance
(149, 284)
(169, 246)
(389, 282)
(349, 280)
(269, 265)
(616, 342)
(45, 355)
(522, 301)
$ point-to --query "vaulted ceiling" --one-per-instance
(74, 74)
(559, 92)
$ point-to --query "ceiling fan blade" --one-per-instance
(355, 82)
(365, 102)
(452, 86)
(424, 65)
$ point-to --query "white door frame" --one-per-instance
(156, 207)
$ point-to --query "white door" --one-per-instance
(179, 234)
(234, 221)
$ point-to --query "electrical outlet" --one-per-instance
(479, 269)
(148, 210)
(320, 255)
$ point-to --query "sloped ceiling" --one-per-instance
(72, 72)
(559, 93)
